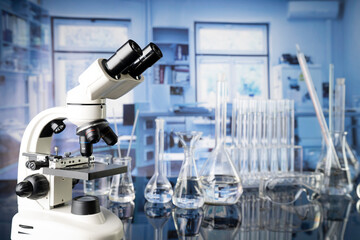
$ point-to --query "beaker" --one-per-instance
(122, 187)
(339, 181)
(219, 178)
(188, 192)
(159, 189)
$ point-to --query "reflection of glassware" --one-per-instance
(188, 193)
(122, 187)
(158, 214)
(125, 211)
(339, 181)
(187, 222)
(221, 222)
(336, 215)
(292, 218)
(292, 183)
(219, 178)
(99, 186)
(159, 189)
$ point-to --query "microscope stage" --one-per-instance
(96, 170)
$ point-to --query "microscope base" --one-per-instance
(60, 223)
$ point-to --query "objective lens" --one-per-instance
(86, 148)
(123, 58)
(151, 54)
(108, 135)
(92, 135)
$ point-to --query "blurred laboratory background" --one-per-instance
(46, 44)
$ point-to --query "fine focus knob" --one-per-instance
(24, 189)
(33, 187)
(85, 205)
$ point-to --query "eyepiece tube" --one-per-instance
(151, 54)
(123, 58)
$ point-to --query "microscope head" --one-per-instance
(106, 78)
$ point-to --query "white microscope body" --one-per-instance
(45, 181)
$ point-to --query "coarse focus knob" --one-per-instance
(24, 189)
(33, 187)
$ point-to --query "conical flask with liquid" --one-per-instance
(219, 178)
(159, 189)
(338, 182)
(188, 193)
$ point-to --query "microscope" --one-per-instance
(46, 209)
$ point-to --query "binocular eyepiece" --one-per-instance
(92, 133)
(130, 59)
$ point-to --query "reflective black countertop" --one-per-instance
(250, 218)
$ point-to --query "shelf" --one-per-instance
(14, 45)
(171, 43)
(14, 106)
(13, 71)
(175, 63)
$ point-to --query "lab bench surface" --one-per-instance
(251, 218)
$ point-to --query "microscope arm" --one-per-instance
(34, 140)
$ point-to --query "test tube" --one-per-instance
(263, 137)
(254, 122)
(272, 136)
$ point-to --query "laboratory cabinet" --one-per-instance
(25, 71)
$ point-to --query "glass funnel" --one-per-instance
(159, 189)
(188, 192)
(219, 178)
(122, 187)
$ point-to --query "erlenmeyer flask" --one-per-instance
(188, 192)
(122, 187)
(159, 189)
(219, 178)
(339, 181)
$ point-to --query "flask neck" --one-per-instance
(220, 112)
(159, 146)
(189, 167)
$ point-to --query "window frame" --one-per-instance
(228, 55)
(54, 51)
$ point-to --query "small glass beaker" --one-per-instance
(99, 186)
(122, 187)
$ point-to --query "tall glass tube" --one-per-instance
(339, 105)
(158, 189)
